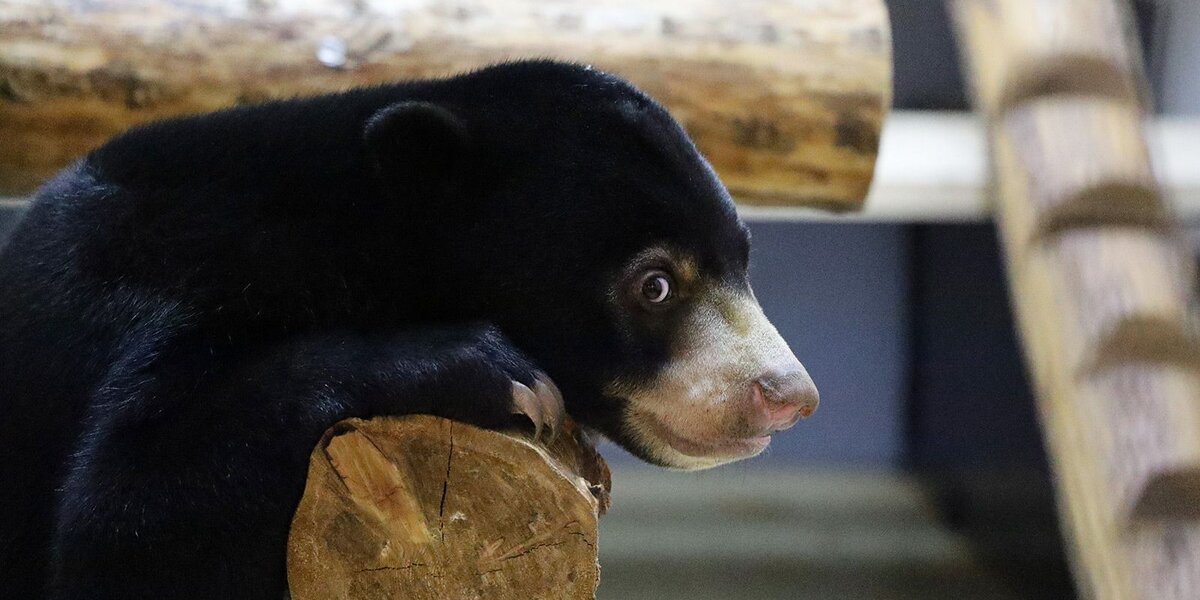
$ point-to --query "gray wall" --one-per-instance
(839, 294)
(1180, 93)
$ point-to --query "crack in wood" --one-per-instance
(390, 568)
(523, 552)
(446, 484)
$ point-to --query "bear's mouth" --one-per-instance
(680, 451)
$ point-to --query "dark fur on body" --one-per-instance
(188, 308)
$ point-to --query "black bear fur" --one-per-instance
(185, 310)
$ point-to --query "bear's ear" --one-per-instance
(417, 144)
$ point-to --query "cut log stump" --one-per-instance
(426, 508)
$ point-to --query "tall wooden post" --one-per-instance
(1101, 283)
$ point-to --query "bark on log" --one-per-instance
(786, 98)
(424, 508)
(1101, 285)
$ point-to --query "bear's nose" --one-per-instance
(787, 396)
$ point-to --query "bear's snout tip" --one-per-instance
(785, 396)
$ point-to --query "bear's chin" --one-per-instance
(652, 441)
(669, 458)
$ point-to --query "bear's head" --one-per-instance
(568, 208)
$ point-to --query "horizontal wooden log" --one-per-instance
(1022, 50)
(424, 508)
(785, 97)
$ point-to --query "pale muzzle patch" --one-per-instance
(702, 409)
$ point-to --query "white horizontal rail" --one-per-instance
(933, 167)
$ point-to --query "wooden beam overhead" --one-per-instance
(785, 97)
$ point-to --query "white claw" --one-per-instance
(553, 411)
(526, 402)
(543, 404)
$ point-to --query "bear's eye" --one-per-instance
(656, 287)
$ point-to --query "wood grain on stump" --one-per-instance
(422, 507)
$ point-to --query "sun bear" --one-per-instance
(186, 309)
